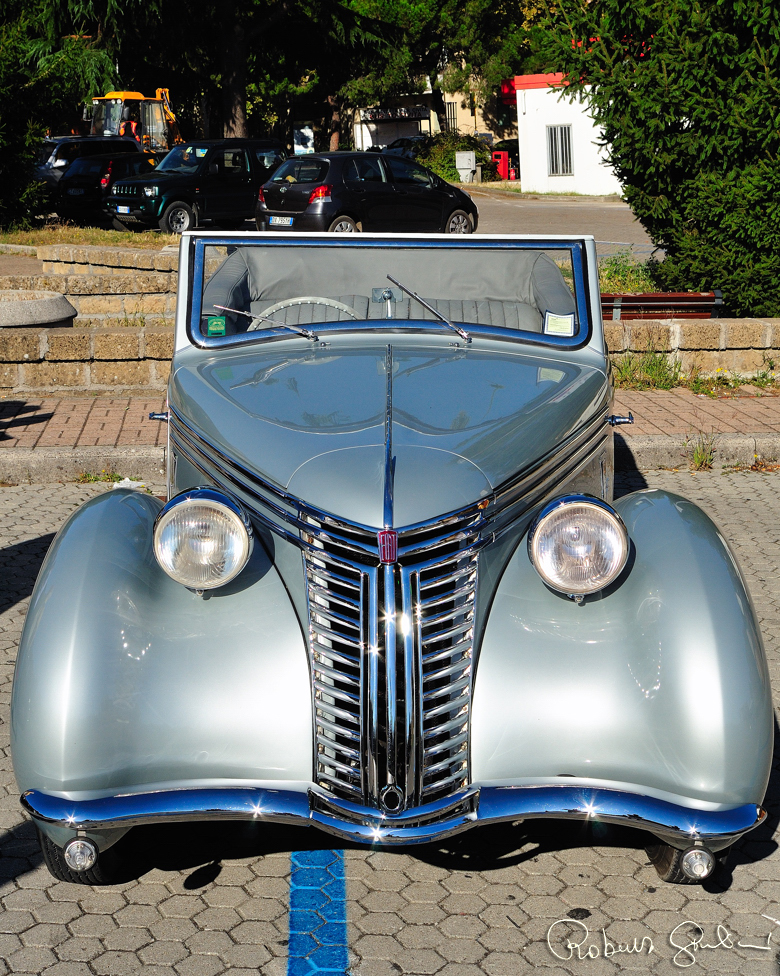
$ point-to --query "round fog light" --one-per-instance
(80, 854)
(698, 863)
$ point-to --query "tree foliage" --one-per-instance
(688, 95)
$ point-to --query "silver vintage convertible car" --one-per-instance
(390, 594)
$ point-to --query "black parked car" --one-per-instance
(354, 191)
(83, 190)
(58, 152)
(214, 180)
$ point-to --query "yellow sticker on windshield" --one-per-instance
(562, 325)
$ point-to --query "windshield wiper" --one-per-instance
(257, 319)
(413, 294)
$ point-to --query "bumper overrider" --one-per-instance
(676, 824)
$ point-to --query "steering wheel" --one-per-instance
(311, 300)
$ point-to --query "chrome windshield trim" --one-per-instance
(575, 247)
(488, 804)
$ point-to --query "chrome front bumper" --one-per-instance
(433, 822)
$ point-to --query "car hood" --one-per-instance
(313, 422)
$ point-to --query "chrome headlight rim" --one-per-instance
(591, 501)
(220, 500)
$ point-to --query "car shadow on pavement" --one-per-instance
(19, 567)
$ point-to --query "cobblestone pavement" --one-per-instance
(204, 899)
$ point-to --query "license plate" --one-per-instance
(75, 192)
(123, 210)
(282, 221)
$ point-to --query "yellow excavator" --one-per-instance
(149, 120)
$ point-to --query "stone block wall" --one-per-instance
(738, 346)
(108, 287)
(85, 360)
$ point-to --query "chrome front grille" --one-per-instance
(391, 651)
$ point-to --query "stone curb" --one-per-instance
(647, 452)
(18, 249)
(40, 465)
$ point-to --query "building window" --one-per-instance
(452, 116)
(559, 150)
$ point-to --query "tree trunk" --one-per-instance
(335, 123)
(233, 74)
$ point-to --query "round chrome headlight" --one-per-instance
(202, 539)
(578, 545)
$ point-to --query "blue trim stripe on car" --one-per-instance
(318, 914)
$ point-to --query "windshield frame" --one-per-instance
(571, 245)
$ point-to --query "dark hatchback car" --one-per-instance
(83, 190)
(356, 191)
(57, 153)
(214, 180)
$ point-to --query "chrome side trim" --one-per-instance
(490, 804)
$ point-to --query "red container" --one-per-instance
(501, 159)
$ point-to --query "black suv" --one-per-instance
(58, 152)
(83, 190)
(206, 180)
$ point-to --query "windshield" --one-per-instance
(183, 159)
(271, 289)
(106, 117)
(301, 170)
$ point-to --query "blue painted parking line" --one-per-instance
(318, 914)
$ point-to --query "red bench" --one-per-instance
(662, 305)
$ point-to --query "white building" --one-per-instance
(558, 141)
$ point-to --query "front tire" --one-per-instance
(177, 217)
(667, 861)
(343, 225)
(104, 872)
(459, 222)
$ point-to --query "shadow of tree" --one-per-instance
(19, 413)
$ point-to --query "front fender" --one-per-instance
(659, 684)
(125, 678)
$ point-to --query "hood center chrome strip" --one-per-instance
(389, 459)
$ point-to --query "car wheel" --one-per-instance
(459, 222)
(667, 861)
(104, 872)
(177, 218)
(343, 225)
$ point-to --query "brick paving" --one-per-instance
(205, 900)
(123, 421)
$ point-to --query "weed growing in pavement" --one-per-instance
(700, 450)
(89, 477)
(649, 370)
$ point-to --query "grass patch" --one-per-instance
(90, 477)
(700, 449)
(649, 370)
(62, 233)
(623, 274)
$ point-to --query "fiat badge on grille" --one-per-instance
(388, 545)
